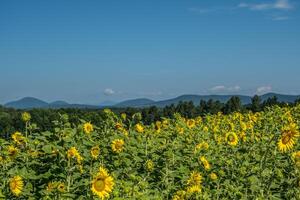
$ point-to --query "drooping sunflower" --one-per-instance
(12, 151)
(195, 179)
(288, 138)
(139, 128)
(117, 145)
(51, 186)
(88, 127)
(95, 151)
(158, 126)
(18, 138)
(73, 153)
(102, 183)
(16, 185)
(118, 126)
(205, 163)
(232, 139)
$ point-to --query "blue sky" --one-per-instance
(93, 51)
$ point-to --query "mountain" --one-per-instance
(135, 103)
(107, 103)
(281, 97)
(58, 103)
(197, 98)
(31, 102)
(27, 102)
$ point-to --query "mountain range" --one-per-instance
(31, 102)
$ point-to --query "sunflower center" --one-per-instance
(118, 145)
(231, 138)
(286, 138)
(13, 185)
(99, 185)
(95, 152)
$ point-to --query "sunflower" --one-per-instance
(190, 123)
(149, 165)
(179, 129)
(95, 151)
(118, 126)
(117, 145)
(179, 195)
(139, 128)
(12, 151)
(61, 187)
(88, 127)
(205, 163)
(194, 189)
(213, 176)
(26, 116)
(200, 146)
(102, 183)
(18, 138)
(123, 116)
(296, 158)
(205, 129)
(73, 153)
(232, 139)
(16, 185)
(195, 178)
(288, 138)
(51, 186)
(158, 126)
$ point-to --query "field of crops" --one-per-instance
(236, 156)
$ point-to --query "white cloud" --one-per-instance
(283, 4)
(263, 89)
(222, 88)
(109, 92)
(218, 88)
(280, 18)
(275, 5)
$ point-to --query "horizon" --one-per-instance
(124, 100)
(92, 52)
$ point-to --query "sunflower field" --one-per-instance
(236, 156)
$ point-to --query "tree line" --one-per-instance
(10, 120)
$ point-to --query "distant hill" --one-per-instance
(59, 103)
(281, 97)
(107, 103)
(30, 102)
(27, 102)
(135, 103)
(197, 98)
